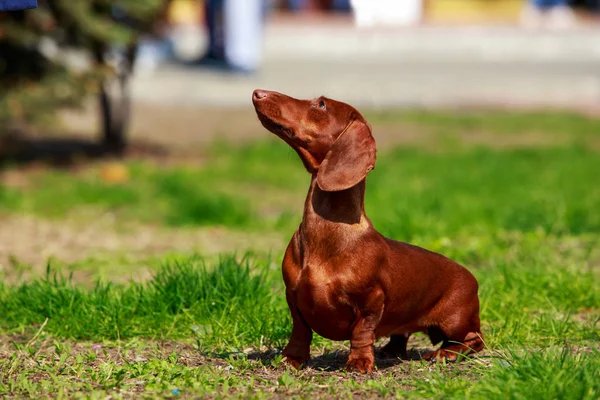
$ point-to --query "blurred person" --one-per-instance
(556, 13)
(213, 11)
(317, 6)
(15, 5)
(243, 34)
(159, 45)
(235, 32)
(341, 5)
(369, 13)
(297, 6)
(591, 5)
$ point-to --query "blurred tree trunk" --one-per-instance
(319, 5)
(115, 100)
(37, 77)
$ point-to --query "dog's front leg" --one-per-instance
(362, 354)
(297, 351)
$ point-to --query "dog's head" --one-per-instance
(332, 138)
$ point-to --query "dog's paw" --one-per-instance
(440, 355)
(295, 360)
(363, 365)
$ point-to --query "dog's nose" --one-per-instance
(259, 94)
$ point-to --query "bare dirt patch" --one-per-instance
(27, 242)
(324, 373)
(188, 130)
(181, 128)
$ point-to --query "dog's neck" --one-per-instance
(345, 207)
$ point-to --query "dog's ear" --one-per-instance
(350, 159)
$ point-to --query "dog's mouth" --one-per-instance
(270, 115)
(282, 131)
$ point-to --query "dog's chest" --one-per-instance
(323, 303)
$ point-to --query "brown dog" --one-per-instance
(344, 280)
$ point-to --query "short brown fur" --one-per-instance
(344, 280)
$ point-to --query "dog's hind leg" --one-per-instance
(396, 347)
(460, 336)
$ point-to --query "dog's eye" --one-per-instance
(322, 105)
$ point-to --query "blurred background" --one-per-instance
(159, 93)
(130, 151)
(118, 61)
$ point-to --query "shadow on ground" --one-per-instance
(336, 360)
(66, 152)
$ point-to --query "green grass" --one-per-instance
(411, 193)
(543, 374)
(225, 302)
(531, 300)
(550, 123)
(174, 197)
(65, 370)
(528, 314)
(523, 219)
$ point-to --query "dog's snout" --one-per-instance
(259, 94)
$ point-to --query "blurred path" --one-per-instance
(413, 66)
